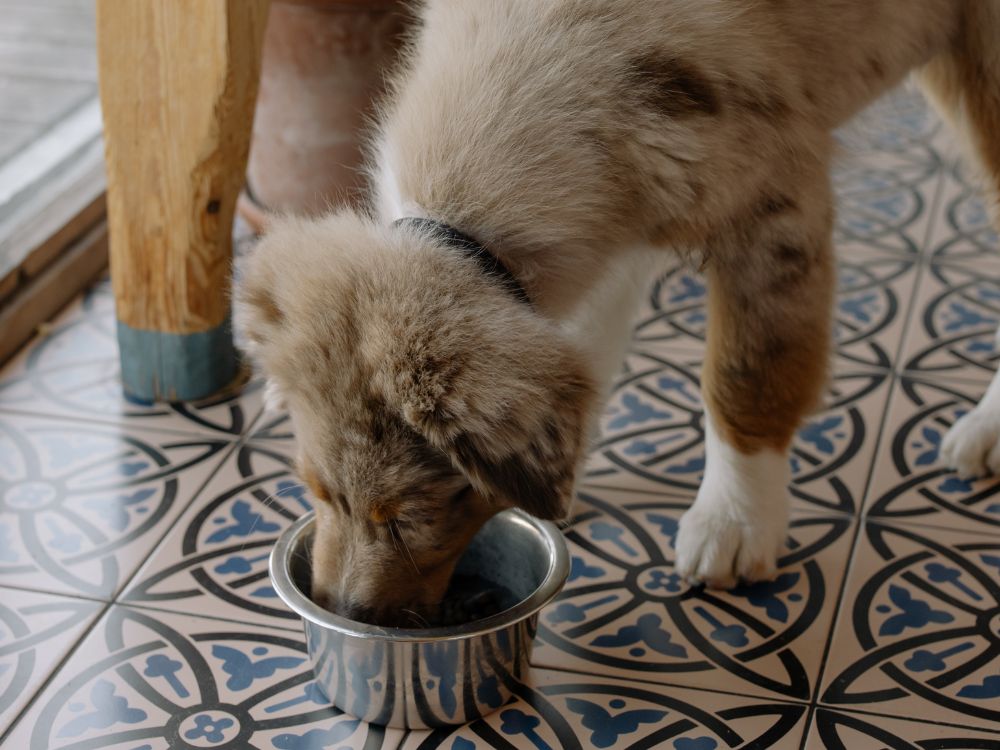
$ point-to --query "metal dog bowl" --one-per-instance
(436, 676)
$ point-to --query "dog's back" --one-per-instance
(586, 124)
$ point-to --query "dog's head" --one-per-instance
(424, 398)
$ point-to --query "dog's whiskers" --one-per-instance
(395, 533)
(417, 618)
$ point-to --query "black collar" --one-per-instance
(490, 264)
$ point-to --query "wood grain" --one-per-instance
(178, 83)
(51, 290)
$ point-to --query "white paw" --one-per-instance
(735, 530)
(972, 445)
(720, 549)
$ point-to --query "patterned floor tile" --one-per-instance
(899, 122)
(883, 202)
(910, 483)
(918, 634)
(157, 680)
(840, 730)
(873, 290)
(215, 559)
(965, 234)
(953, 333)
(90, 482)
(572, 711)
(81, 504)
(625, 612)
(652, 436)
(36, 631)
(72, 372)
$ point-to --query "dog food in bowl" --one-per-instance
(456, 672)
(471, 597)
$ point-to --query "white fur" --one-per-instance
(972, 445)
(274, 400)
(609, 308)
(391, 204)
(736, 527)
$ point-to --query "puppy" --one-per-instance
(446, 354)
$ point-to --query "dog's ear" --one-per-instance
(528, 457)
(510, 402)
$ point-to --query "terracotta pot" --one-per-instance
(324, 64)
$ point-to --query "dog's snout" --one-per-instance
(346, 607)
(323, 599)
(359, 613)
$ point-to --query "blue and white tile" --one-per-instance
(626, 612)
(873, 289)
(911, 484)
(652, 436)
(215, 559)
(71, 371)
(842, 730)
(965, 234)
(953, 331)
(918, 633)
(886, 173)
(883, 205)
(871, 306)
(157, 680)
(900, 122)
(572, 711)
(81, 504)
(36, 632)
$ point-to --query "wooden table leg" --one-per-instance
(178, 83)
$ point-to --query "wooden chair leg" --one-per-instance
(178, 82)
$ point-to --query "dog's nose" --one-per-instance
(360, 613)
(323, 600)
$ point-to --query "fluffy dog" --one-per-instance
(446, 354)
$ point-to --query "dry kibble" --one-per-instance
(470, 598)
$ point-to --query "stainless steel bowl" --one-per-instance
(437, 676)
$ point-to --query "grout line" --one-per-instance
(15, 722)
(227, 454)
(241, 441)
(124, 423)
(163, 610)
(934, 378)
(810, 715)
(107, 605)
(989, 533)
(910, 719)
(880, 435)
(60, 594)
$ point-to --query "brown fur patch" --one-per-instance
(792, 266)
(767, 344)
(760, 102)
(265, 304)
(773, 204)
(674, 88)
(311, 480)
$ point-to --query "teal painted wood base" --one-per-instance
(176, 367)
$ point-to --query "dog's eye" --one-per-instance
(460, 495)
(403, 524)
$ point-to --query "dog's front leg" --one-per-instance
(770, 291)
